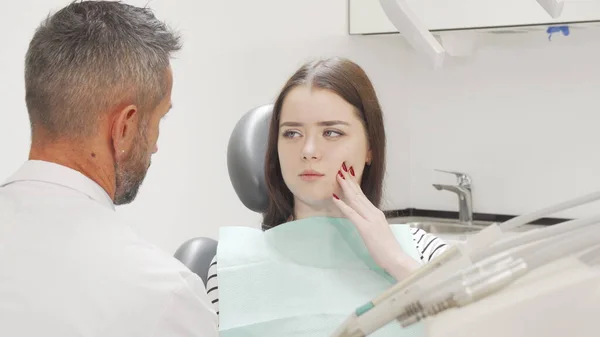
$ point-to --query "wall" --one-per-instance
(521, 134)
(520, 117)
(235, 57)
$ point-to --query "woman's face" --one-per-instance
(319, 131)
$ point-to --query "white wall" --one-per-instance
(238, 54)
(522, 121)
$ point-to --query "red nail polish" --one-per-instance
(341, 175)
(344, 167)
(335, 196)
(352, 171)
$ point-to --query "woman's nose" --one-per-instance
(310, 149)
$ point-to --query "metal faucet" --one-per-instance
(463, 190)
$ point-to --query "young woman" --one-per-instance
(326, 158)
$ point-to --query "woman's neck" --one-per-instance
(303, 210)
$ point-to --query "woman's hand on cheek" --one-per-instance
(372, 226)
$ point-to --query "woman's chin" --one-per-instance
(319, 201)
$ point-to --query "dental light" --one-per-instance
(553, 7)
(415, 32)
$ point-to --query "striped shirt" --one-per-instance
(428, 245)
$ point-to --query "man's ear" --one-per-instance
(124, 128)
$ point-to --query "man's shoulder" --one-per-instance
(188, 307)
(139, 258)
(149, 257)
(155, 284)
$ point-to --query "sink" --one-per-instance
(450, 230)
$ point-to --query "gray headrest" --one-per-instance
(197, 254)
(246, 157)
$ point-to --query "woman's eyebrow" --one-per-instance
(332, 123)
(323, 123)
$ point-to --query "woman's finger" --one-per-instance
(351, 183)
(374, 213)
(353, 196)
(350, 176)
(349, 212)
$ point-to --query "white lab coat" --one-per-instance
(69, 267)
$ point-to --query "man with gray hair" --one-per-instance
(98, 81)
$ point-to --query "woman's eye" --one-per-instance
(332, 133)
(291, 134)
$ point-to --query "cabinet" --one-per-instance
(368, 17)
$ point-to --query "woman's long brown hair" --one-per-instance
(348, 80)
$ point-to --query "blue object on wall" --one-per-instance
(557, 29)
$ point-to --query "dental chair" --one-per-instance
(196, 254)
(245, 163)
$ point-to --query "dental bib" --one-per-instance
(302, 278)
